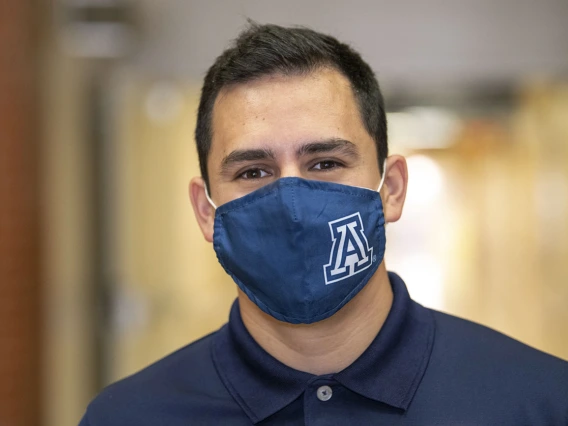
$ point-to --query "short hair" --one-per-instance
(262, 50)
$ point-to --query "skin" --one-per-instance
(304, 126)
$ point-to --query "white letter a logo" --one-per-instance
(350, 252)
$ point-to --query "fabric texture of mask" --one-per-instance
(301, 249)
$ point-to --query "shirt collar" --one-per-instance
(389, 371)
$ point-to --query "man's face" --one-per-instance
(289, 126)
(295, 126)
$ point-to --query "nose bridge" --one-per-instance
(290, 169)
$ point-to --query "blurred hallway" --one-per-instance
(96, 152)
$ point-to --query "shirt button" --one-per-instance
(324, 393)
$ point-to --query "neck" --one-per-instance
(328, 346)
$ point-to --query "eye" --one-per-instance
(253, 174)
(326, 165)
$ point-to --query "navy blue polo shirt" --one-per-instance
(423, 368)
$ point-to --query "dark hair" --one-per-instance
(263, 50)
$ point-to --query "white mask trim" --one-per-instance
(384, 175)
(209, 198)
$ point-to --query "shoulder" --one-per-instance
(482, 366)
(180, 381)
(467, 340)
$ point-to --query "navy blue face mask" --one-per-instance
(301, 249)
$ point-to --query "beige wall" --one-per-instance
(173, 290)
(498, 232)
(67, 223)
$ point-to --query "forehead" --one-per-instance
(283, 111)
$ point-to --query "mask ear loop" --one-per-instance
(383, 181)
(209, 198)
(384, 175)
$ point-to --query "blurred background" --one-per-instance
(102, 267)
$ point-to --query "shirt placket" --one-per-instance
(320, 399)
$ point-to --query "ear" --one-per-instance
(204, 212)
(393, 192)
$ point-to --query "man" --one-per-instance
(296, 187)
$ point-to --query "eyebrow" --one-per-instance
(329, 146)
(334, 145)
(244, 155)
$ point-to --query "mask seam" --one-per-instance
(294, 204)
